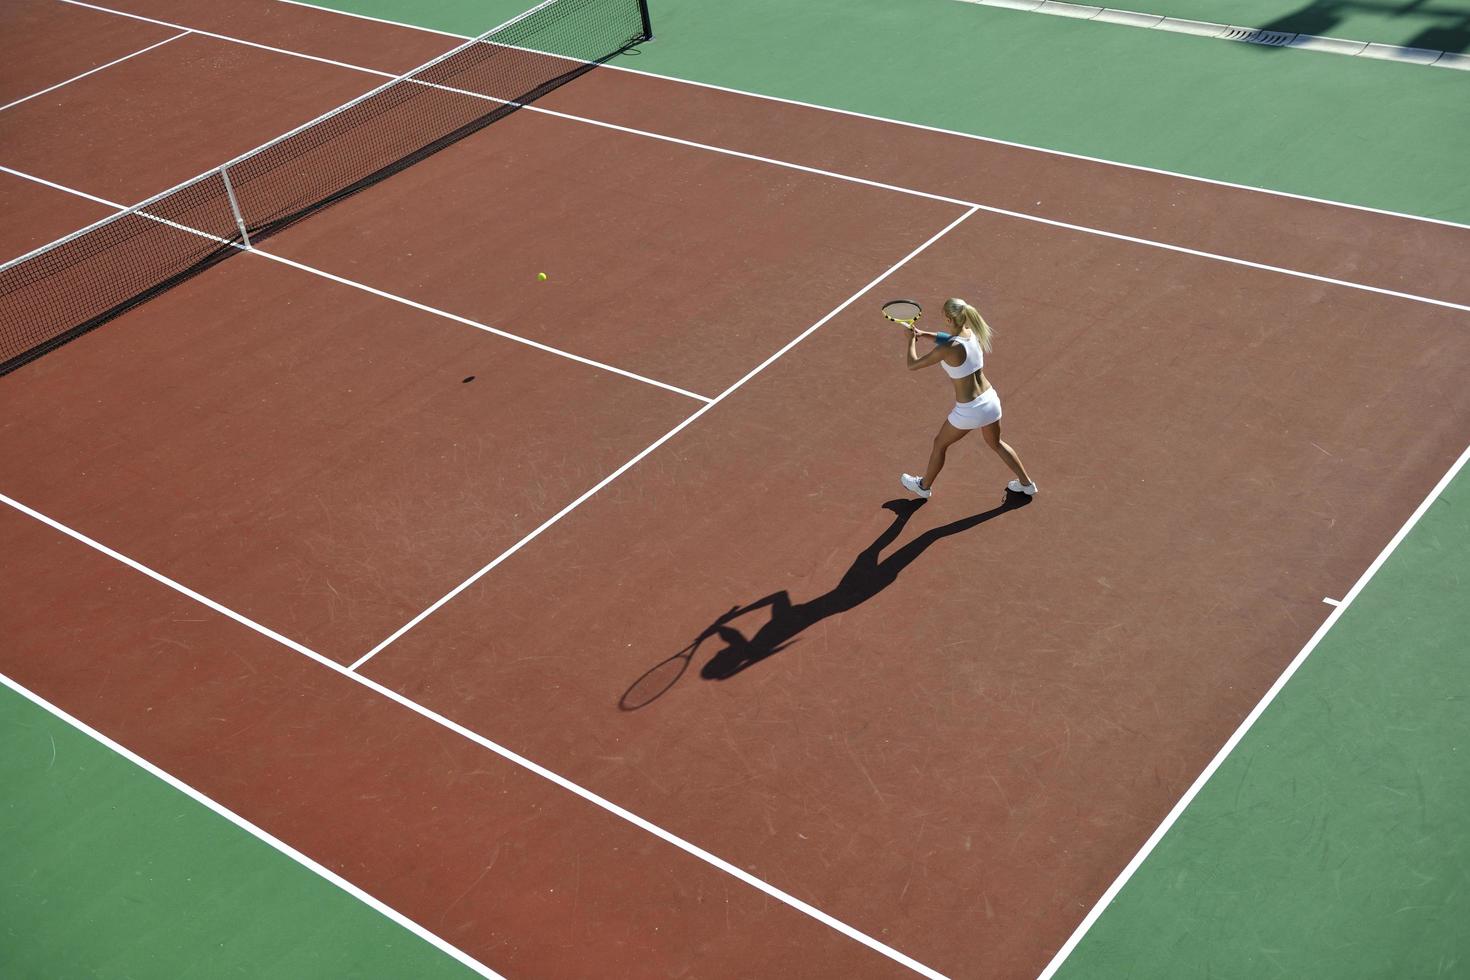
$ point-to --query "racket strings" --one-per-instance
(902, 310)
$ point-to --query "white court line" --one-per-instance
(502, 751)
(710, 147)
(1218, 257)
(255, 250)
(1250, 720)
(478, 326)
(946, 132)
(182, 33)
(376, 20)
(1112, 891)
(661, 440)
(325, 873)
(1004, 212)
(226, 37)
(65, 190)
(1020, 215)
(1331, 601)
(561, 115)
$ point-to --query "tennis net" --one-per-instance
(57, 293)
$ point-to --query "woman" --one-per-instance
(977, 406)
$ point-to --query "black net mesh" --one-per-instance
(80, 282)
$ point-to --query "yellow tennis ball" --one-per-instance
(541, 276)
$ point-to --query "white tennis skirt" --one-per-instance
(974, 414)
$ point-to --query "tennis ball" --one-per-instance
(541, 276)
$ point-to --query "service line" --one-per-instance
(183, 33)
(504, 752)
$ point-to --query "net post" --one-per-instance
(224, 172)
(647, 21)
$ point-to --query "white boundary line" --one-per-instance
(659, 442)
(947, 132)
(322, 872)
(376, 20)
(1179, 807)
(255, 250)
(1250, 719)
(505, 753)
(566, 784)
(710, 147)
(1021, 215)
(226, 37)
(479, 326)
(587, 794)
(989, 209)
(534, 108)
(65, 190)
(1005, 212)
(184, 32)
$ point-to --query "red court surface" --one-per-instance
(946, 725)
(1324, 239)
(171, 114)
(38, 214)
(968, 756)
(685, 266)
(490, 857)
(52, 42)
(307, 31)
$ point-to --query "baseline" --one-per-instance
(933, 129)
(326, 874)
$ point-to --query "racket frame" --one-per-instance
(906, 322)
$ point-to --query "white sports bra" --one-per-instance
(974, 357)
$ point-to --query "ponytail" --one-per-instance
(971, 318)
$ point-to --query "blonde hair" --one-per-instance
(970, 317)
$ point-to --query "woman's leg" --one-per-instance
(947, 436)
(1004, 451)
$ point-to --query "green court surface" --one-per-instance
(1331, 843)
(108, 871)
(1333, 840)
(1375, 133)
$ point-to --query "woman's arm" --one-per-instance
(913, 361)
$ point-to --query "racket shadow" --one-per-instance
(868, 575)
(657, 680)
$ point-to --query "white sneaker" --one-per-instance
(915, 485)
(1016, 486)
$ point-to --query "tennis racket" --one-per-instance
(902, 311)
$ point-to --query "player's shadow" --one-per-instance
(868, 575)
